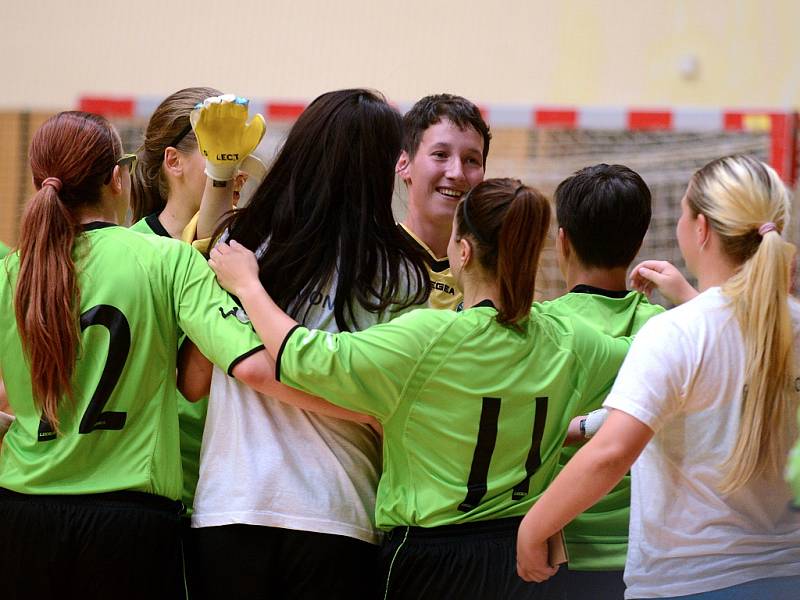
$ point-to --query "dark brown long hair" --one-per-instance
(507, 223)
(325, 206)
(80, 150)
(168, 126)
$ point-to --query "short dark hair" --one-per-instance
(432, 109)
(605, 212)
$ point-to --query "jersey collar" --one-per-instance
(154, 224)
(437, 265)
(589, 289)
(97, 225)
(484, 304)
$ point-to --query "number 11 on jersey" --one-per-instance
(484, 448)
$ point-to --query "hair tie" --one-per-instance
(766, 228)
(55, 182)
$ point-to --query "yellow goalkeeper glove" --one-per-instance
(224, 135)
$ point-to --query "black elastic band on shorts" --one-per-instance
(120, 498)
(492, 527)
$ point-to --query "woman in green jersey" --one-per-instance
(474, 405)
(169, 178)
(90, 471)
(169, 188)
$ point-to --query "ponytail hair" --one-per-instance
(168, 126)
(747, 205)
(72, 155)
(507, 223)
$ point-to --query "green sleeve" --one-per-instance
(366, 371)
(208, 314)
(793, 470)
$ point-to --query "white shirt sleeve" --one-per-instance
(652, 383)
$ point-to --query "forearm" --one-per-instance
(574, 433)
(258, 372)
(289, 395)
(217, 200)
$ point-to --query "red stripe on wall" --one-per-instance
(641, 119)
(283, 111)
(783, 145)
(555, 118)
(733, 121)
(107, 107)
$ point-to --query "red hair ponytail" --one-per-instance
(72, 154)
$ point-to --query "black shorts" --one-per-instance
(252, 562)
(473, 561)
(116, 545)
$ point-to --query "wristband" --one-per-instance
(594, 420)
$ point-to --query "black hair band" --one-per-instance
(179, 138)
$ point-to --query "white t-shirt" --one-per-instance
(267, 463)
(683, 378)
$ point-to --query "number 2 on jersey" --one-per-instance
(484, 448)
(119, 345)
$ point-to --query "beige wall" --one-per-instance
(605, 52)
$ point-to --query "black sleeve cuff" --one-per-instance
(239, 359)
(280, 352)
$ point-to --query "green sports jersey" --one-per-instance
(138, 292)
(191, 415)
(793, 469)
(3, 250)
(597, 540)
(474, 413)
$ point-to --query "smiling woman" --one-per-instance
(445, 145)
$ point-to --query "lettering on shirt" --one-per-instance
(237, 312)
(317, 297)
(443, 287)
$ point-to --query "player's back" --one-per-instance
(119, 430)
(598, 539)
(474, 412)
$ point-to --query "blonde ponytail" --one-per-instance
(746, 203)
